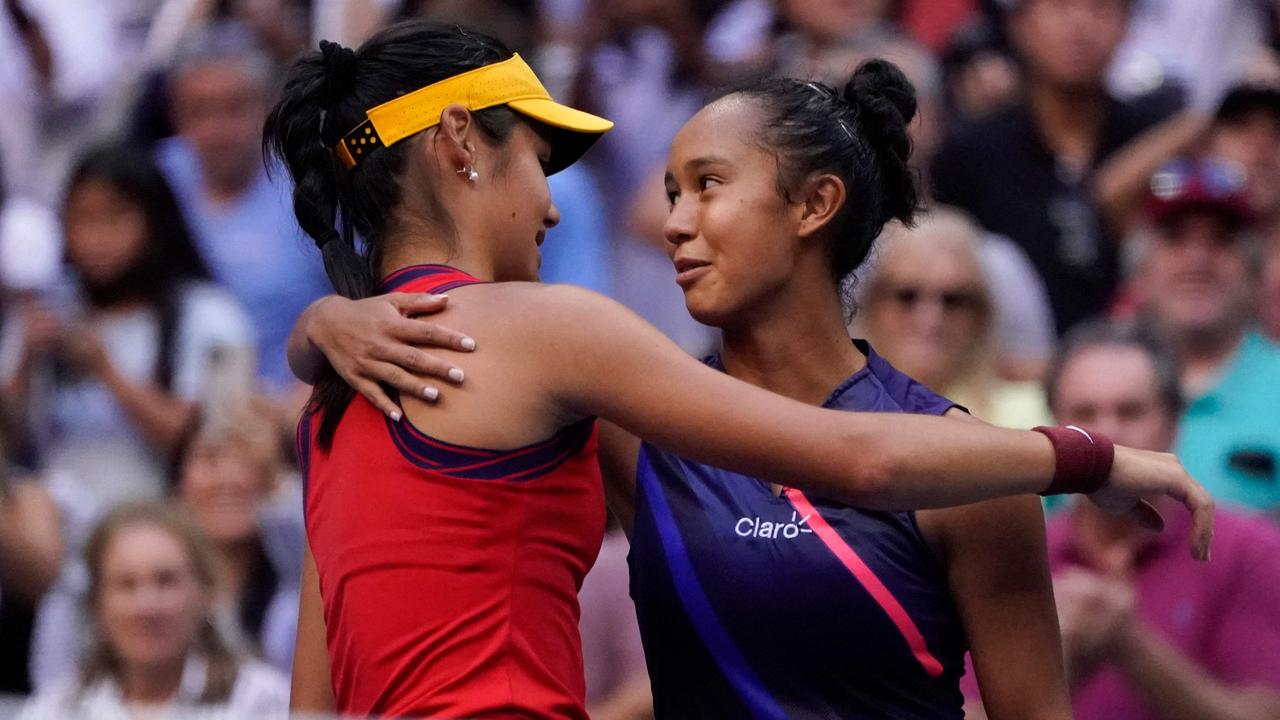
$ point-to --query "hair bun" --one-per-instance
(884, 102)
(879, 89)
(339, 68)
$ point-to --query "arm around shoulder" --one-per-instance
(599, 358)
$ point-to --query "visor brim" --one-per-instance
(573, 131)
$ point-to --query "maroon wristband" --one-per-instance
(1082, 460)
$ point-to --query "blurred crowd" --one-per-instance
(1100, 246)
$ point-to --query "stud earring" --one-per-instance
(470, 173)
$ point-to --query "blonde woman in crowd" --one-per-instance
(153, 646)
(233, 481)
(927, 306)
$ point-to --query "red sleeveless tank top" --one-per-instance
(449, 573)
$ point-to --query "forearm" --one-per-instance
(1177, 689)
(162, 416)
(312, 687)
(30, 541)
(305, 358)
(1124, 179)
(609, 364)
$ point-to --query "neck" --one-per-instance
(223, 190)
(431, 247)
(1068, 119)
(232, 565)
(794, 342)
(151, 684)
(1205, 354)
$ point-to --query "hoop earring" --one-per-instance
(469, 173)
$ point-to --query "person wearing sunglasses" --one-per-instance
(1199, 271)
(927, 306)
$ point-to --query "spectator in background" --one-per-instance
(154, 643)
(1147, 632)
(1198, 281)
(927, 307)
(1271, 286)
(228, 474)
(114, 382)
(979, 76)
(1035, 189)
(30, 555)
(1246, 131)
(242, 217)
(112, 374)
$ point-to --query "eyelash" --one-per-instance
(672, 195)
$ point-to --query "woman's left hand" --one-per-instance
(380, 340)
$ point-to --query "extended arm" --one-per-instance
(878, 461)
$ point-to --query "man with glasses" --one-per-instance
(1198, 276)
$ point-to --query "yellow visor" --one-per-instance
(510, 82)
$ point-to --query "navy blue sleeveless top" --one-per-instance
(753, 605)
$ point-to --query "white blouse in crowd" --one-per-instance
(260, 691)
(88, 435)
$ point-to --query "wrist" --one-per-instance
(313, 320)
(1082, 460)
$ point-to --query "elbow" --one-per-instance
(872, 476)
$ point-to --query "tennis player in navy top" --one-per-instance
(763, 600)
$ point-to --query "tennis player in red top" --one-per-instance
(449, 541)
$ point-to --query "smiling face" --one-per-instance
(222, 486)
(150, 602)
(732, 236)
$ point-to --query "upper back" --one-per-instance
(503, 402)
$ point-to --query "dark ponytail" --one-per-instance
(859, 135)
(350, 212)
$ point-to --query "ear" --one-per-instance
(823, 197)
(453, 143)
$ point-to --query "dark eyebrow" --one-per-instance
(708, 160)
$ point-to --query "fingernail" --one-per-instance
(430, 393)
(442, 296)
(468, 344)
(456, 374)
(394, 415)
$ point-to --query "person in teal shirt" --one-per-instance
(1230, 435)
(1198, 283)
